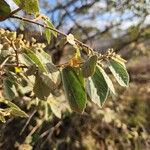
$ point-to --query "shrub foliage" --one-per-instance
(28, 73)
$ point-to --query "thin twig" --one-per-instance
(15, 65)
(35, 128)
(4, 62)
(39, 24)
(50, 132)
(44, 26)
(28, 121)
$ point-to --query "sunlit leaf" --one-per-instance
(71, 39)
(97, 87)
(17, 112)
(119, 71)
(25, 59)
(55, 107)
(73, 83)
(108, 81)
(119, 59)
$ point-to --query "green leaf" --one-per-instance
(7, 89)
(10, 104)
(30, 6)
(14, 109)
(4, 9)
(48, 35)
(35, 59)
(97, 87)
(47, 61)
(108, 81)
(17, 112)
(88, 68)
(50, 25)
(43, 56)
(119, 71)
(73, 83)
(25, 59)
(43, 86)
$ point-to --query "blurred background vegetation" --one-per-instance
(124, 121)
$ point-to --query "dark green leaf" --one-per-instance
(97, 87)
(73, 83)
(30, 6)
(36, 60)
(4, 9)
(89, 66)
(43, 86)
(7, 89)
(119, 71)
(108, 81)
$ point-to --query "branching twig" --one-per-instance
(28, 121)
(44, 26)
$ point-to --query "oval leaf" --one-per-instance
(97, 87)
(88, 68)
(73, 83)
(7, 89)
(119, 71)
(43, 86)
